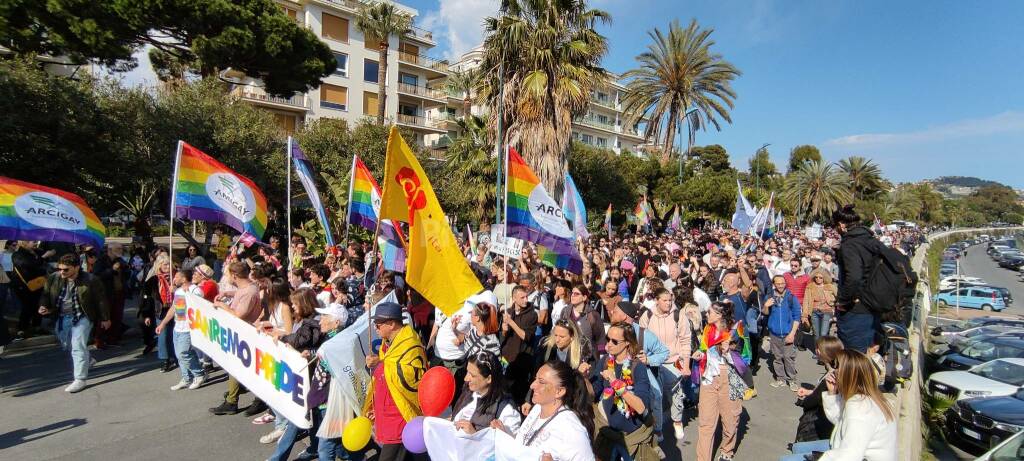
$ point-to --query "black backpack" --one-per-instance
(891, 285)
(898, 364)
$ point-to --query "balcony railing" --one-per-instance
(421, 33)
(596, 123)
(423, 61)
(354, 5)
(423, 91)
(257, 94)
(424, 122)
(603, 102)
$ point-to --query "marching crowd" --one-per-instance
(658, 338)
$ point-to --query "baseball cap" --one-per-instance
(387, 311)
(486, 296)
(207, 271)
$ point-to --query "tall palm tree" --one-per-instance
(464, 82)
(379, 21)
(865, 176)
(679, 72)
(817, 189)
(546, 54)
(470, 168)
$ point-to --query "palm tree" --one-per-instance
(816, 189)
(546, 56)
(678, 72)
(470, 168)
(379, 21)
(464, 82)
(865, 176)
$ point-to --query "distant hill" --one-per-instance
(963, 181)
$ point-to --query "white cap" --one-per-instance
(486, 296)
(337, 310)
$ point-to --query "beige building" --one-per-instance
(351, 92)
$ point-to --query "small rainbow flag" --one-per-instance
(363, 196)
(640, 214)
(608, 220)
(533, 215)
(676, 223)
(206, 190)
(33, 212)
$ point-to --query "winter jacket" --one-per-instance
(857, 251)
(783, 313)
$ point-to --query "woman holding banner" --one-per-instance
(305, 338)
(488, 403)
(562, 419)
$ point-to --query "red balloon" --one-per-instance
(436, 391)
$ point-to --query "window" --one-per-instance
(370, 70)
(408, 79)
(408, 48)
(587, 139)
(342, 68)
(371, 43)
(406, 109)
(334, 28)
(603, 119)
(333, 97)
(602, 142)
(370, 103)
(294, 15)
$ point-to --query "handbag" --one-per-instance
(35, 284)
(804, 339)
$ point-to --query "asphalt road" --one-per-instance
(978, 264)
(129, 413)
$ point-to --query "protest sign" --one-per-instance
(445, 443)
(814, 232)
(505, 246)
(272, 371)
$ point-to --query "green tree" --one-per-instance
(994, 202)
(762, 171)
(929, 203)
(679, 72)
(464, 82)
(801, 155)
(865, 176)
(379, 21)
(251, 36)
(549, 54)
(593, 169)
(711, 158)
(816, 189)
(470, 171)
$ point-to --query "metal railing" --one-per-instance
(417, 90)
(421, 33)
(596, 123)
(603, 102)
(424, 122)
(350, 4)
(257, 94)
(423, 61)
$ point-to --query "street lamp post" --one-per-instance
(757, 167)
(687, 117)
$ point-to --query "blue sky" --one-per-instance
(924, 88)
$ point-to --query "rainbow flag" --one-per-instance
(33, 212)
(363, 196)
(206, 190)
(392, 246)
(304, 169)
(608, 220)
(533, 215)
(641, 217)
(676, 223)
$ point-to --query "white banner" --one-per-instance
(445, 443)
(345, 354)
(505, 246)
(273, 372)
(814, 231)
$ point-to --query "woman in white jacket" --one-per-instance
(865, 423)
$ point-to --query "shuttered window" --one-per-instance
(333, 97)
(334, 28)
(370, 103)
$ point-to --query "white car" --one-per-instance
(950, 282)
(993, 378)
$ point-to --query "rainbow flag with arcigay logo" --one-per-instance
(33, 212)
(206, 190)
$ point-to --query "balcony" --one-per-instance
(352, 6)
(422, 91)
(440, 67)
(606, 102)
(258, 96)
(421, 122)
(421, 34)
(595, 122)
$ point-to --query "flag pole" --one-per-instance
(348, 206)
(504, 275)
(288, 200)
(174, 205)
(375, 251)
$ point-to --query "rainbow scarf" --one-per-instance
(206, 190)
(533, 215)
(33, 212)
(712, 336)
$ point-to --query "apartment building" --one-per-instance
(351, 93)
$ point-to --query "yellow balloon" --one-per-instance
(356, 434)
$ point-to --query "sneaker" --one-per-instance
(92, 362)
(307, 456)
(75, 386)
(265, 418)
(678, 428)
(272, 437)
(225, 408)
(197, 381)
(181, 385)
(749, 393)
(725, 458)
(777, 383)
(256, 408)
(794, 386)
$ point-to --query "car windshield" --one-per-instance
(983, 351)
(1002, 371)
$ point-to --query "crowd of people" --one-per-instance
(657, 330)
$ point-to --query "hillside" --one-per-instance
(959, 186)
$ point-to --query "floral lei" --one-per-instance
(619, 386)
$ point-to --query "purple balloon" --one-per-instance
(412, 436)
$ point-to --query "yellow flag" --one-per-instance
(434, 265)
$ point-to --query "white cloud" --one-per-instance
(1006, 122)
(460, 23)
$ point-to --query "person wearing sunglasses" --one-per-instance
(485, 401)
(583, 314)
(78, 300)
(625, 399)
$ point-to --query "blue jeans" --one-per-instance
(857, 330)
(75, 337)
(805, 448)
(820, 322)
(165, 341)
(659, 410)
(188, 363)
(291, 435)
(672, 379)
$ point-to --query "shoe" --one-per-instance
(225, 409)
(725, 458)
(92, 362)
(272, 437)
(777, 383)
(794, 386)
(169, 365)
(181, 385)
(197, 381)
(264, 418)
(678, 428)
(149, 348)
(307, 456)
(749, 393)
(75, 386)
(256, 408)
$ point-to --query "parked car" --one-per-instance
(981, 352)
(949, 283)
(993, 378)
(990, 422)
(960, 343)
(972, 298)
(1012, 262)
(962, 326)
